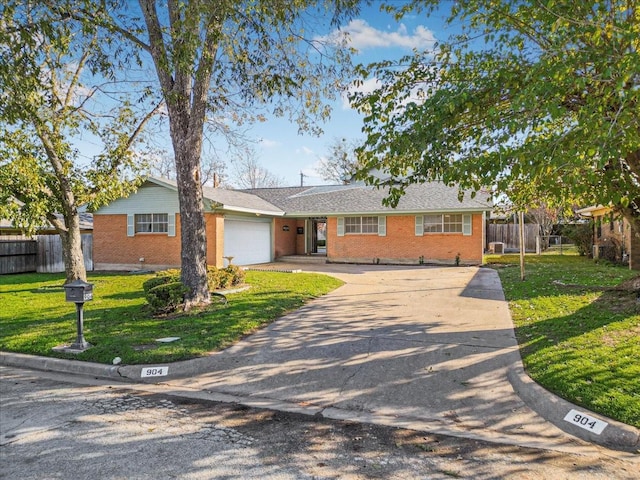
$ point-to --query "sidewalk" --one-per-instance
(428, 348)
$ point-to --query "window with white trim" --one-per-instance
(443, 223)
(360, 225)
(151, 223)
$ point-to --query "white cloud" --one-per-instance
(367, 86)
(305, 151)
(266, 143)
(361, 36)
(418, 92)
(312, 175)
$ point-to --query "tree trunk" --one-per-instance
(72, 249)
(193, 237)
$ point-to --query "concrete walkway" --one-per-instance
(427, 348)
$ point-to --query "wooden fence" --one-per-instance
(18, 254)
(42, 253)
(510, 236)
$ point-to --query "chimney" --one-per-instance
(216, 180)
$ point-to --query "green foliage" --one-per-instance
(578, 334)
(161, 278)
(165, 292)
(53, 70)
(582, 236)
(166, 297)
(229, 276)
(35, 316)
(529, 95)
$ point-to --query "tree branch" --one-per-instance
(75, 80)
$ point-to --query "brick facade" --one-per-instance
(114, 250)
(401, 245)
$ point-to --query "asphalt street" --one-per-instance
(61, 426)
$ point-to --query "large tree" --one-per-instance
(220, 63)
(532, 92)
(248, 173)
(56, 78)
(341, 162)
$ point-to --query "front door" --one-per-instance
(317, 236)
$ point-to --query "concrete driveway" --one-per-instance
(418, 347)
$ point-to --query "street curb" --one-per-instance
(616, 435)
(59, 365)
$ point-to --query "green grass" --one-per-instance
(35, 317)
(578, 336)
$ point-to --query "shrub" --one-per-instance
(582, 236)
(158, 280)
(237, 275)
(165, 292)
(225, 277)
(166, 297)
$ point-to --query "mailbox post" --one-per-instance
(79, 292)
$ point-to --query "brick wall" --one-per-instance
(114, 250)
(403, 246)
(285, 241)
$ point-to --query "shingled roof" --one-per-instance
(362, 199)
(324, 200)
(231, 200)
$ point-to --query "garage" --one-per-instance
(247, 241)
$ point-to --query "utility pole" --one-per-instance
(302, 175)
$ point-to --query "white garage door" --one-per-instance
(247, 242)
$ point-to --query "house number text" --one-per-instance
(154, 372)
(585, 421)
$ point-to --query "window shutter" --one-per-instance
(466, 225)
(419, 226)
(131, 225)
(382, 226)
(171, 225)
(341, 226)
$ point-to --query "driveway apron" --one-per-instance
(418, 347)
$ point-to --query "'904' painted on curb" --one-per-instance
(585, 421)
(154, 372)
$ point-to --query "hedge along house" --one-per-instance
(344, 223)
(429, 225)
(142, 231)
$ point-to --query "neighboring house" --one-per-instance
(613, 238)
(254, 226)
(8, 228)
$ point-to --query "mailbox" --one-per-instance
(78, 291)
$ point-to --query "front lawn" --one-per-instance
(35, 317)
(579, 335)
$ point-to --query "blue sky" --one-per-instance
(279, 148)
(376, 36)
